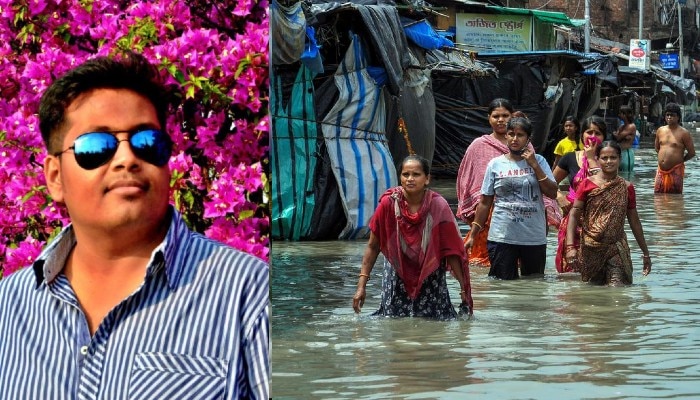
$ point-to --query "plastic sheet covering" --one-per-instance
(604, 68)
(462, 103)
(354, 136)
(328, 218)
(417, 108)
(389, 41)
(293, 150)
(422, 34)
(288, 32)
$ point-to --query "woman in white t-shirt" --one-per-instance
(514, 184)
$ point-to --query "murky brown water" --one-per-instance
(547, 338)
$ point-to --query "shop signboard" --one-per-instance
(495, 32)
(669, 61)
(639, 54)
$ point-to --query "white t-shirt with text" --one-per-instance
(518, 215)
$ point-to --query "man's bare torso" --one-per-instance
(625, 135)
(670, 144)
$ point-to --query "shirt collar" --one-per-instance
(53, 258)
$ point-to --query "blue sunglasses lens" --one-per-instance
(95, 149)
(152, 146)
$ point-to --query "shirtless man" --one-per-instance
(625, 135)
(675, 147)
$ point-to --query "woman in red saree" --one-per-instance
(577, 165)
(415, 230)
(603, 202)
(471, 175)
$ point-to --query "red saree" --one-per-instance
(560, 262)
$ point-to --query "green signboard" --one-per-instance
(495, 32)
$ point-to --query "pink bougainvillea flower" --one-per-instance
(21, 256)
(212, 69)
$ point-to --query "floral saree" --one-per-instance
(604, 253)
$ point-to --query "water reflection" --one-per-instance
(551, 337)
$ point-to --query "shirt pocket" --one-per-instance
(177, 376)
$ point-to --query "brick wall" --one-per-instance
(618, 20)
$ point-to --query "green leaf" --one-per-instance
(189, 198)
(241, 67)
(245, 214)
(178, 75)
(175, 176)
(190, 92)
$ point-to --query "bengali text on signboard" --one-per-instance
(495, 32)
(669, 61)
(639, 54)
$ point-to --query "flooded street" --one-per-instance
(545, 338)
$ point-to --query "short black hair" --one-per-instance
(520, 122)
(425, 165)
(627, 111)
(130, 71)
(673, 108)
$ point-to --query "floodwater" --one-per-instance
(546, 338)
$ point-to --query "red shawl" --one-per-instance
(416, 244)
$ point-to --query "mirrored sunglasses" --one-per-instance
(95, 149)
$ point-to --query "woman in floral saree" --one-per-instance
(415, 230)
(577, 166)
(603, 202)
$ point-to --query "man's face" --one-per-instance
(671, 118)
(125, 192)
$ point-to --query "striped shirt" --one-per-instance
(196, 328)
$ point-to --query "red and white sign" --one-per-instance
(639, 54)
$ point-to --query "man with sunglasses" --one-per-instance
(127, 302)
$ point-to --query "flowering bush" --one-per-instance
(214, 53)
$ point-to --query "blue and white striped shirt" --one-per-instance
(197, 328)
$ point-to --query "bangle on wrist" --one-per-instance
(477, 224)
(646, 257)
(543, 179)
(365, 275)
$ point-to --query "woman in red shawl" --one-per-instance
(603, 202)
(415, 230)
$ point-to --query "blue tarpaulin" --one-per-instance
(422, 34)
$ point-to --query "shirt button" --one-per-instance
(84, 350)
